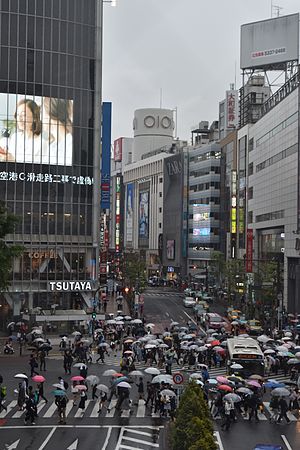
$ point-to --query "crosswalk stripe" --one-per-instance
(291, 416)
(111, 408)
(144, 433)
(40, 406)
(141, 409)
(50, 411)
(18, 414)
(9, 407)
(69, 407)
(125, 413)
(80, 412)
(139, 441)
(95, 410)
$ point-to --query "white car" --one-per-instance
(189, 302)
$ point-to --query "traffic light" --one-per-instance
(94, 315)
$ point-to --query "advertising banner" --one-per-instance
(249, 251)
(129, 212)
(118, 149)
(144, 215)
(36, 130)
(106, 143)
(170, 249)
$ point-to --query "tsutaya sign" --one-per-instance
(72, 285)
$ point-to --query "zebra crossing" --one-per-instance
(49, 410)
(129, 438)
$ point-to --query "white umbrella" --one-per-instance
(280, 392)
(149, 346)
(150, 325)
(21, 376)
(76, 333)
(80, 365)
(287, 338)
(168, 392)
(293, 361)
(111, 322)
(93, 379)
(163, 378)
(269, 351)
(136, 373)
(128, 318)
(163, 346)
(236, 366)
(11, 324)
(264, 338)
(109, 372)
(136, 321)
(288, 333)
(37, 340)
(103, 388)
(58, 386)
(174, 324)
(152, 371)
(119, 318)
(196, 376)
(37, 332)
(124, 384)
(297, 355)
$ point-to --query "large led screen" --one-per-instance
(144, 215)
(129, 212)
(36, 130)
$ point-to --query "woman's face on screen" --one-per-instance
(24, 118)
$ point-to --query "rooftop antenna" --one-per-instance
(160, 98)
(275, 10)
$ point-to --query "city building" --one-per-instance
(50, 88)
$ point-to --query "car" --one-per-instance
(234, 314)
(207, 297)
(254, 327)
(214, 321)
(267, 447)
(204, 305)
(189, 302)
(199, 311)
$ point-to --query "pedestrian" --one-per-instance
(82, 401)
(83, 371)
(150, 394)
(30, 410)
(3, 391)
(94, 389)
(226, 413)
(61, 402)
(40, 391)
(100, 352)
(68, 359)
(283, 409)
(102, 400)
(21, 396)
(33, 365)
(42, 359)
(140, 387)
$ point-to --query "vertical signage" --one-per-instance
(129, 212)
(231, 109)
(249, 251)
(106, 144)
(118, 143)
(118, 212)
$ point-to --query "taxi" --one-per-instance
(254, 327)
(234, 314)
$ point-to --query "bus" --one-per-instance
(246, 352)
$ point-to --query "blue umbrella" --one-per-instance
(13, 337)
(119, 379)
(59, 393)
(274, 384)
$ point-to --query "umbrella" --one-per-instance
(174, 324)
(136, 321)
(120, 379)
(111, 322)
(244, 390)
(264, 338)
(109, 372)
(128, 318)
(215, 342)
(37, 331)
(293, 361)
(129, 341)
(76, 333)
(136, 373)
(103, 388)
(222, 380)
(236, 379)
(280, 392)
(196, 376)
(297, 355)
(128, 352)
(149, 346)
(11, 324)
(168, 392)
(21, 375)
(269, 351)
(77, 378)
(236, 366)
(150, 325)
(199, 382)
(123, 384)
(253, 383)
(288, 333)
(59, 393)
(234, 322)
(13, 338)
(38, 379)
(256, 377)
(37, 340)
(58, 386)
(273, 384)
(81, 387)
(152, 371)
(287, 338)
(93, 379)
(202, 366)
(163, 346)
(225, 387)
(104, 344)
(80, 365)
(118, 374)
(163, 379)
(212, 381)
(232, 397)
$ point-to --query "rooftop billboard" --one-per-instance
(270, 42)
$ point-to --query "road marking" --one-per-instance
(184, 312)
(140, 432)
(217, 436)
(9, 408)
(107, 438)
(141, 410)
(167, 314)
(126, 413)
(80, 412)
(21, 427)
(47, 438)
(69, 407)
(18, 414)
(41, 406)
(12, 446)
(111, 408)
(51, 410)
(73, 446)
(120, 438)
(286, 442)
(95, 410)
(139, 441)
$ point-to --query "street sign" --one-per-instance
(178, 378)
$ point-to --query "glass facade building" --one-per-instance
(47, 144)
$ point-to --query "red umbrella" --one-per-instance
(38, 379)
(118, 375)
(225, 387)
(215, 342)
(81, 387)
(77, 378)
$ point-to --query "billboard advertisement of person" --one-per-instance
(170, 249)
(144, 215)
(36, 130)
(129, 212)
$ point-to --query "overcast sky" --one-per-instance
(186, 48)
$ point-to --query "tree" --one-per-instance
(218, 266)
(7, 252)
(193, 429)
(234, 273)
(134, 270)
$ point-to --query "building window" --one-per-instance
(160, 209)
(250, 169)
(274, 215)
(160, 194)
(250, 193)
(251, 144)
(159, 225)
(160, 180)
(250, 216)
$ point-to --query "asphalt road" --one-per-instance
(112, 431)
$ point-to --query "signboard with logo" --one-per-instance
(72, 286)
(118, 149)
(178, 378)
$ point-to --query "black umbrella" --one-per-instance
(45, 347)
(1, 379)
